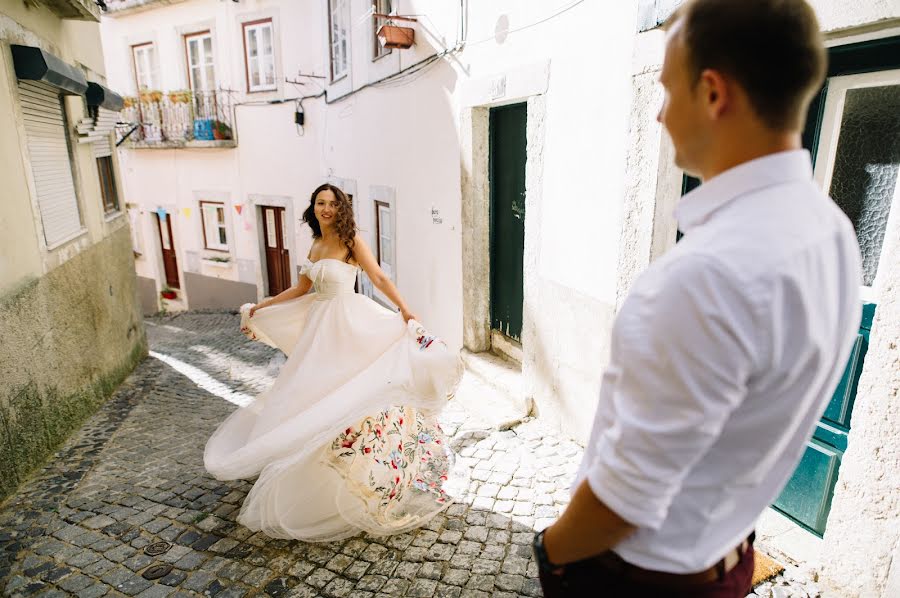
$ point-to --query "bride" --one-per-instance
(345, 440)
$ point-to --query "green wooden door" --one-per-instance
(507, 213)
(807, 496)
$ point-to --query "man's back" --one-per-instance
(724, 356)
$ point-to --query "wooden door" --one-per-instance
(507, 237)
(167, 243)
(278, 259)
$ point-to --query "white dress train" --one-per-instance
(346, 438)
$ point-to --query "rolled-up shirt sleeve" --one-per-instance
(685, 352)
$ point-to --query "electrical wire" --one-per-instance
(530, 25)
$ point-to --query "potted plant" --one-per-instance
(149, 96)
(221, 130)
(180, 96)
(168, 293)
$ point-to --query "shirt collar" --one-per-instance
(696, 207)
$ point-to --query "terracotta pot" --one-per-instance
(392, 36)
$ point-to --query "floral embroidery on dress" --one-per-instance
(425, 340)
(405, 450)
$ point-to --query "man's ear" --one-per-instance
(714, 91)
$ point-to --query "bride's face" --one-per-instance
(326, 208)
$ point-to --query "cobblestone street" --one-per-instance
(133, 476)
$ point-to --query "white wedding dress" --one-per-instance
(346, 439)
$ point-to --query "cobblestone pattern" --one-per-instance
(134, 476)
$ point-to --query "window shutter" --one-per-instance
(102, 147)
(48, 150)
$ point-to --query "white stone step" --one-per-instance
(492, 391)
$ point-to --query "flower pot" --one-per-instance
(203, 129)
(392, 36)
(168, 294)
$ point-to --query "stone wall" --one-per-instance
(67, 339)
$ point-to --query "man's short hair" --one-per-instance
(772, 48)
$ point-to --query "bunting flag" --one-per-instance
(247, 226)
(186, 212)
(239, 207)
(161, 212)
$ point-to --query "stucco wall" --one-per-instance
(67, 340)
(862, 540)
(273, 159)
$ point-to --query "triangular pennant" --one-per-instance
(186, 212)
(239, 207)
(161, 212)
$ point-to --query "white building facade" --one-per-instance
(508, 171)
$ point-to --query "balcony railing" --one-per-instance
(179, 119)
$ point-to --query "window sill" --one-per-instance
(263, 89)
(216, 263)
(110, 216)
(68, 239)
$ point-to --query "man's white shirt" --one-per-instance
(723, 357)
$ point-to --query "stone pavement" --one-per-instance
(133, 478)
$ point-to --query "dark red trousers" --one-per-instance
(592, 578)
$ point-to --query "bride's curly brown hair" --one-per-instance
(344, 223)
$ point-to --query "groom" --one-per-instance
(728, 348)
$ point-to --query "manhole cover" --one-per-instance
(156, 571)
(157, 548)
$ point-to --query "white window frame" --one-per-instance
(338, 38)
(261, 60)
(207, 61)
(384, 7)
(832, 118)
(212, 216)
(384, 214)
(143, 58)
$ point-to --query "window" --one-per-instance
(145, 74)
(259, 55)
(201, 69)
(384, 238)
(859, 158)
(108, 185)
(381, 7)
(214, 235)
(50, 156)
(337, 18)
